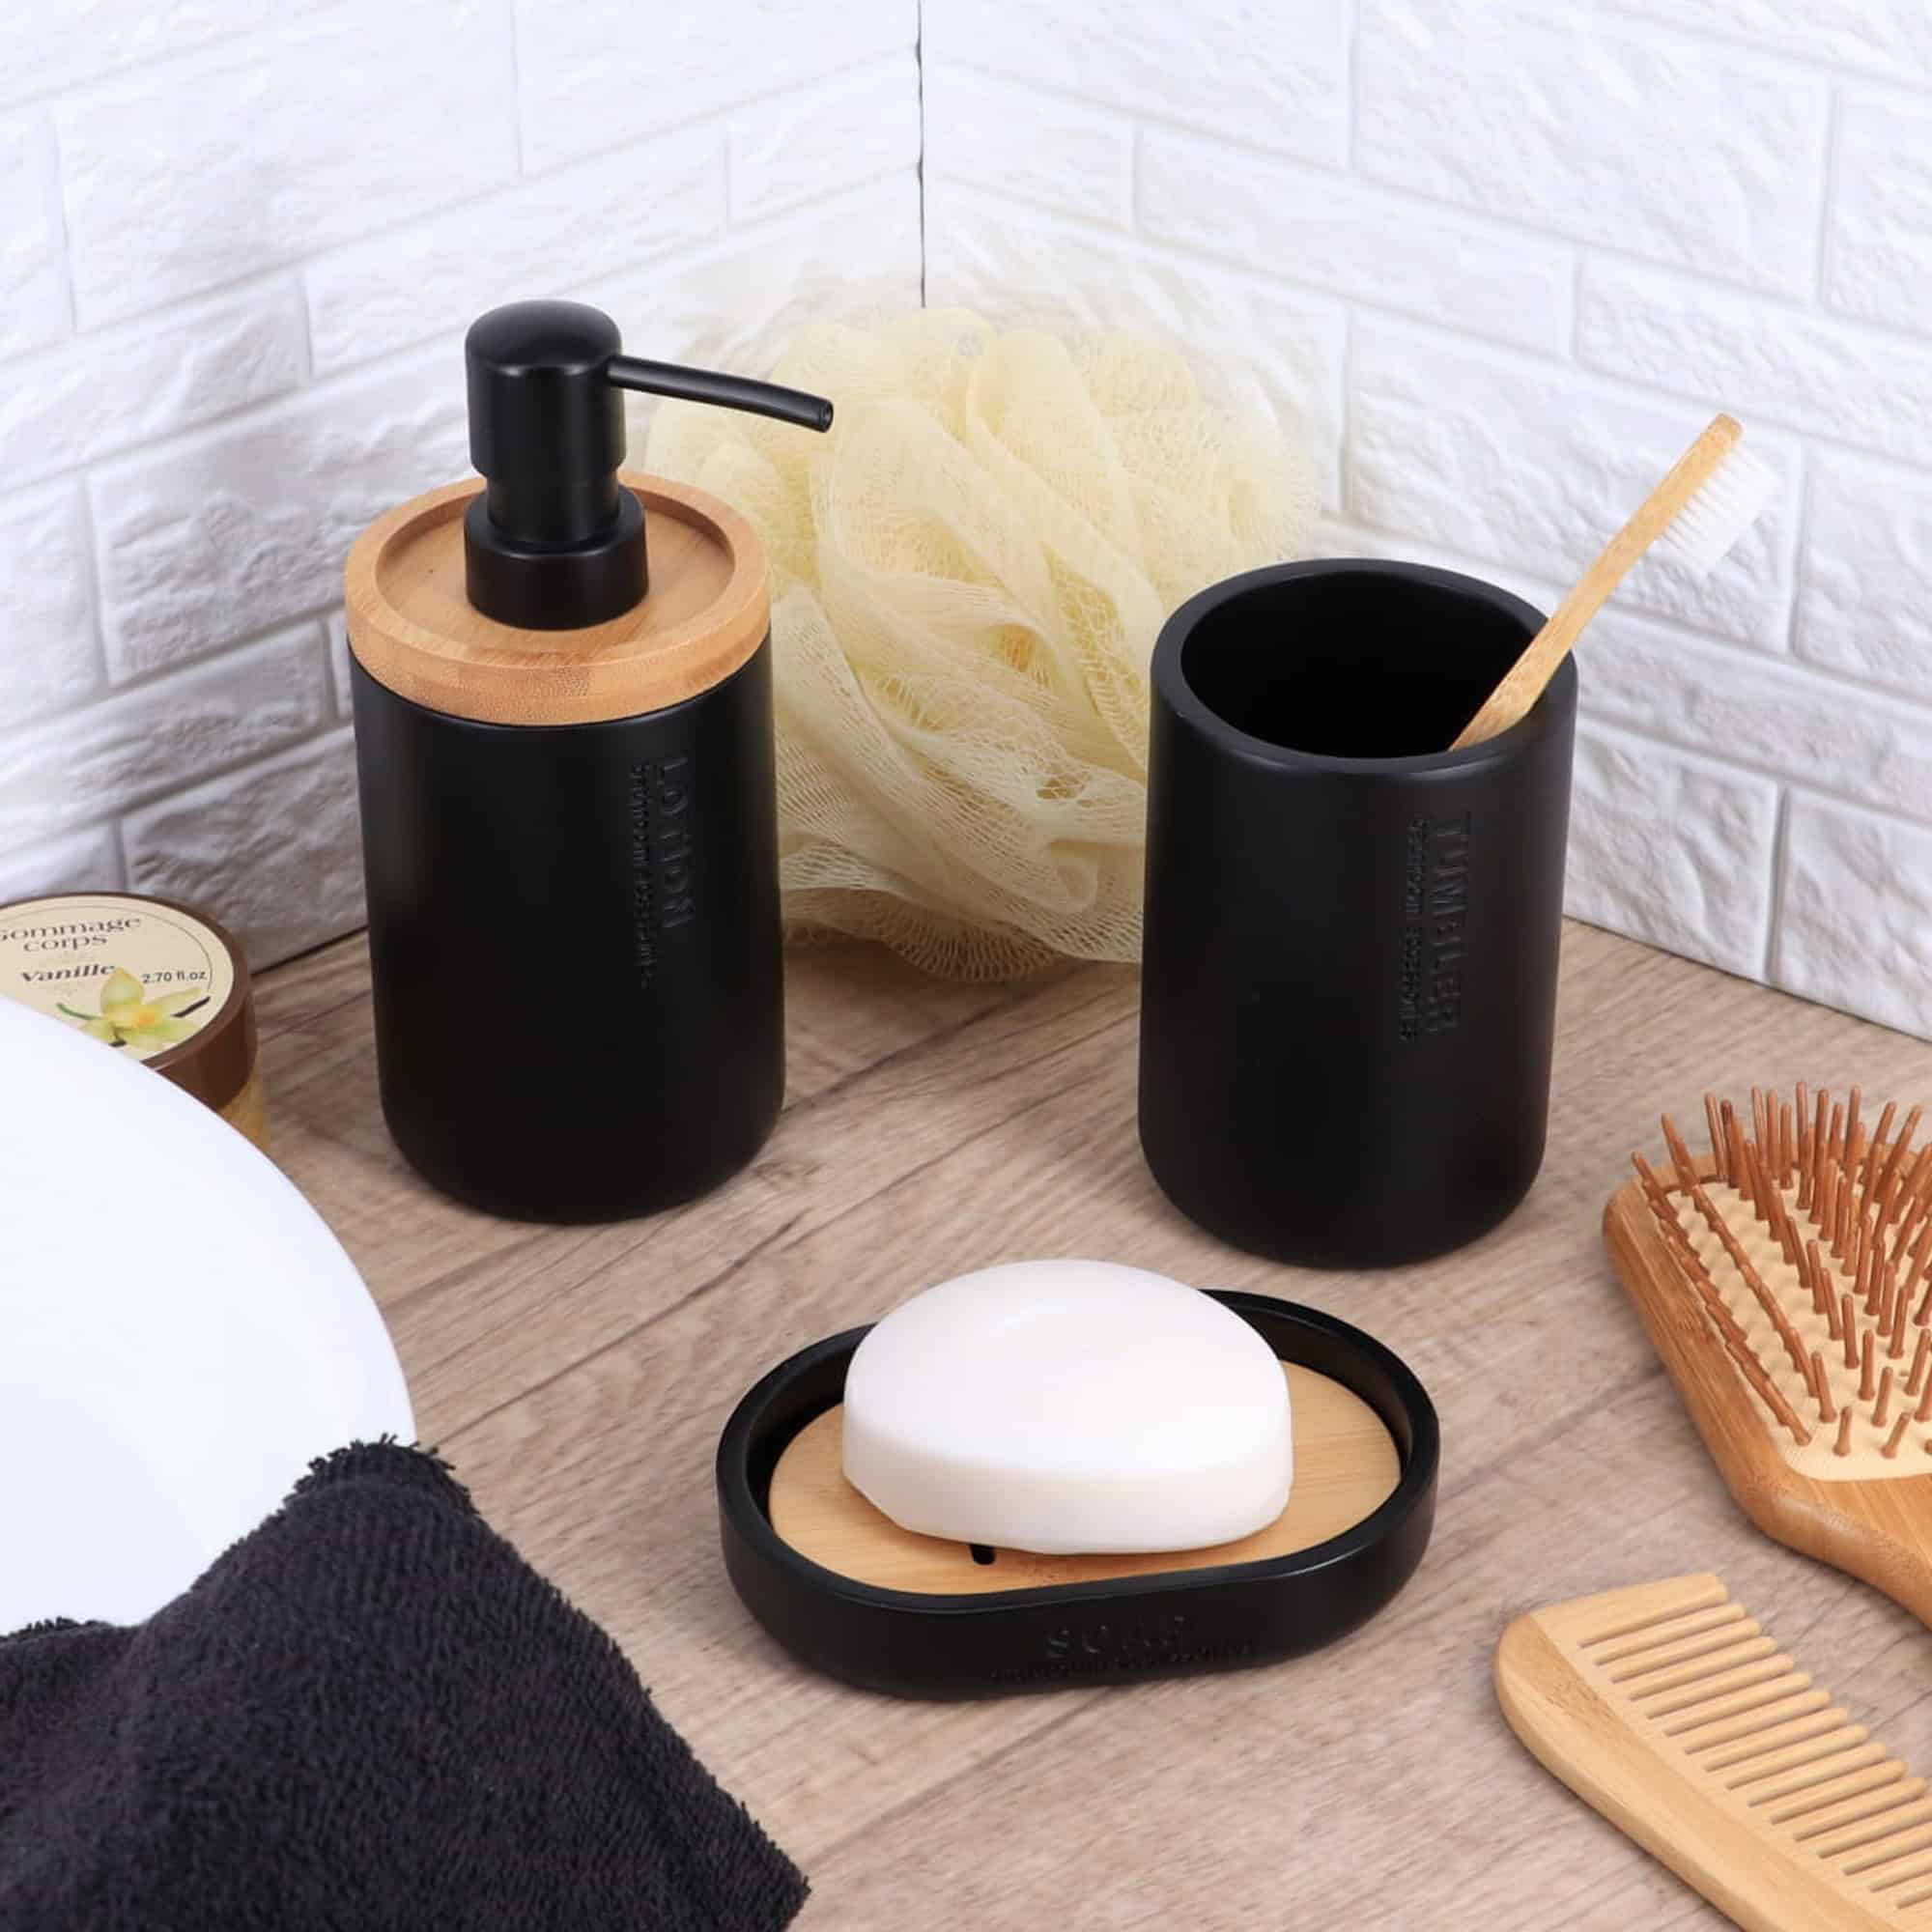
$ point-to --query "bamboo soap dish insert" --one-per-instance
(1345, 1467)
(850, 1592)
(414, 630)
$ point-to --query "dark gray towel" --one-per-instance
(369, 1714)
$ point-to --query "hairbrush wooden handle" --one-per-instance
(1524, 682)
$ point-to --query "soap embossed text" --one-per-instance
(1109, 1647)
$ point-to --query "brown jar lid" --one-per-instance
(159, 981)
(413, 629)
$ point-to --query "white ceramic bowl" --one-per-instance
(180, 1333)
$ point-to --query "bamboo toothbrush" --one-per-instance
(1677, 1716)
(1714, 494)
(1785, 1278)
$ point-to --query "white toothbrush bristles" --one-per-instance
(1702, 534)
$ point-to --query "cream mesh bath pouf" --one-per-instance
(969, 572)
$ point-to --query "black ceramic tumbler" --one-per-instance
(1349, 986)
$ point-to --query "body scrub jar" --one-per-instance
(155, 980)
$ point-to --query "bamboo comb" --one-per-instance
(1714, 493)
(1677, 1716)
(1785, 1278)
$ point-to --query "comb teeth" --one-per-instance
(1716, 1706)
(1806, 1238)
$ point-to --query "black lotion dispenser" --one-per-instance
(562, 685)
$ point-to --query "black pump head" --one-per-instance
(554, 543)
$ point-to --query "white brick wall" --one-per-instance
(1495, 257)
(1500, 258)
(240, 240)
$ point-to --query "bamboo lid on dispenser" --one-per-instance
(562, 589)
(413, 628)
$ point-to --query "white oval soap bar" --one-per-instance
(1070, 1407)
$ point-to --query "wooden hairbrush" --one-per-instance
(1675, 1713)
(1785, 1278)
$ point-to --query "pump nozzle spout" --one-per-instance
(710, 385)
(554, 542)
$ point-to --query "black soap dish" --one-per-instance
(887, 1610)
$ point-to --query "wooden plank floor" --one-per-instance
(577, 1379)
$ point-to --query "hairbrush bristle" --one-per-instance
(1806, 1238)
(1706, 529)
